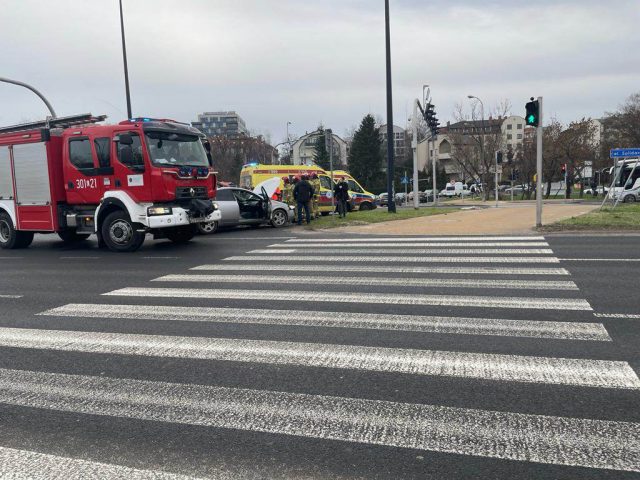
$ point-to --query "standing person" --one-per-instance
(287, 191)
(315, 202)
(303, 192)
(294, 184)
(341, 192)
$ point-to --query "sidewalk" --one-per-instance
(508, 219)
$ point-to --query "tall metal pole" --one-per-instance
(126, 68)
(432, 152)
(330, 133)
(539, 167)
(414, 146)
(22, 84)
(391, 206)
(288, 145)
(496, 180)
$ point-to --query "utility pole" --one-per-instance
(391, 206)
(126, 68)
(329, 132)
(432, 152)
(539, 167)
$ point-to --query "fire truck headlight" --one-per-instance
(215, 206)
(291, 207)
(153, 211)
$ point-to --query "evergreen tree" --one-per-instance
(321, 154)
(365, 159)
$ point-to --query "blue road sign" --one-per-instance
(624, 152)
(405, 180)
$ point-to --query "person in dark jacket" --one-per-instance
(303, 193)
(341, 192)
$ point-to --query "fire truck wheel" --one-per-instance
(182, 234)
(120, 234)
(69, 236)
(10, 238)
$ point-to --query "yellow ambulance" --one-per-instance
(254, 173)
(360, 198)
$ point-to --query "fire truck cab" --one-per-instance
(73, 177)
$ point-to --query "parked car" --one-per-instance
(630, 196)
(457, 189)
(243, 207)
(595, 192)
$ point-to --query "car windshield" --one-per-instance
(176, 150)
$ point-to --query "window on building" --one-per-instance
(519, 126)
(509, 136)
(80, 153)
(509, 127)
(519, 136)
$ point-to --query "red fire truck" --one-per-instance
(74, 177)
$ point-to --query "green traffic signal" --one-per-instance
(531, 119)
(533, 113)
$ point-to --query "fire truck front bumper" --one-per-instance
(162, 216)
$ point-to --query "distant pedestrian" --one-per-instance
(341, 193)
(303, 193)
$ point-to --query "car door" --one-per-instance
(251, 206)
(229, 208)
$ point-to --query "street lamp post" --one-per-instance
(22, 84)
(482, 143)
(391, 205)
(126, 68)
(289, 142)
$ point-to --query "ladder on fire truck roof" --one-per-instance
(60, 122)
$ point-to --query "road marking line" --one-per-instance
(161, 258)
(17, 464)
(357, 297)
(511, 436)
(347, 243)
(509, 368)
(11, 258)
(79, 258)
(599, 259)
(617, 315)
(253, 267)
(408, 323)
(417, 239)
(370, 282)
(11, 296)
(415, 251)
(387, 259)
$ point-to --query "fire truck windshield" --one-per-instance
(169, 149)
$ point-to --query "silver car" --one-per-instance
(243, 207)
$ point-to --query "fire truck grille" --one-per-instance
(189, 193)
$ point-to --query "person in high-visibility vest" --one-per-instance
(287, 192)
(315, 201)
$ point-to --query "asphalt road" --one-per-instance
(431, 358)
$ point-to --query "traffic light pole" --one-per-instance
(539, 167)
(496, 180)
(391, 205)
(414, 146)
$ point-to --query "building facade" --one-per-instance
(399, 140)
(221, 124)
(303, 150)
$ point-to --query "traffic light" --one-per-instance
(532, 116)
(498, 157)
(510, 156)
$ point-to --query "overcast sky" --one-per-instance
(309, 61)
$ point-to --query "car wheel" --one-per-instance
(120, 234)
(10, 238)
(208, 228)
(629, 199)
(365, 206)
(279, 218)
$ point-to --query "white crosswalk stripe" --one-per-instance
(413, 251)
(408, 323)
(260, 267)
(503, 435)
(350, 297)
(386, 259)
(348, 243)
(369, 282)
(368, 239)
(24, 464)
(512, 368)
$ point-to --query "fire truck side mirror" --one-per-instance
(207, 146)
(125, 139)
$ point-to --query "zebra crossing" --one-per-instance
(387, 285)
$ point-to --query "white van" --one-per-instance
(457, 189)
